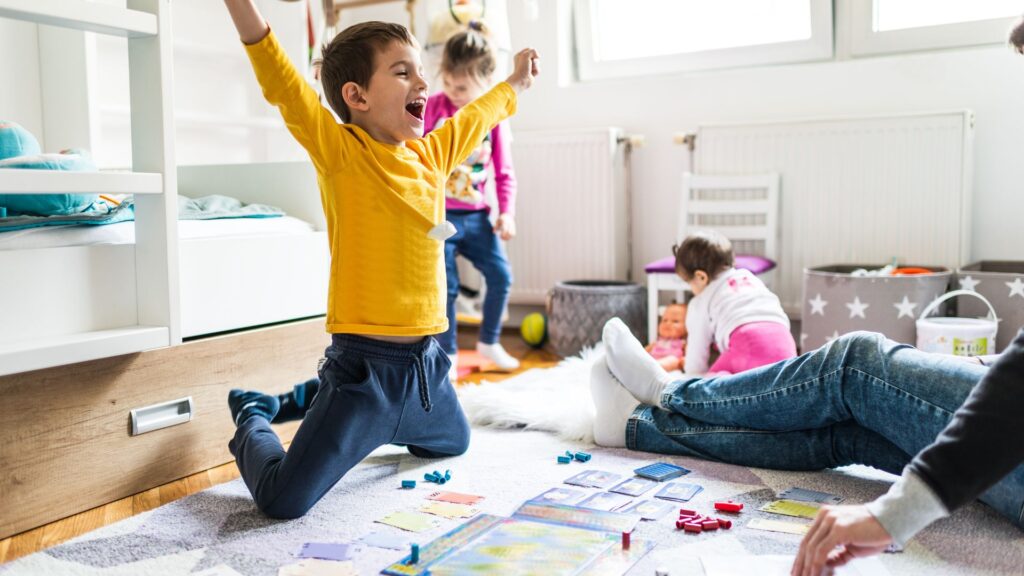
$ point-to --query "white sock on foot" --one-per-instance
(613, 406)
(496, 353)
(637, 370)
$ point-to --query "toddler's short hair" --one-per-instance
(707, 251)
(351, 57)
(468, 53)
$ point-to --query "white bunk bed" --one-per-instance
(232, 274)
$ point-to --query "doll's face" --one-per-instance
(673, 322)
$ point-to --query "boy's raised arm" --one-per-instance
(248, 21)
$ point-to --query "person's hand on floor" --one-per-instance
(838, 535)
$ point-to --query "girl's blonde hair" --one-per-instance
(469, 53)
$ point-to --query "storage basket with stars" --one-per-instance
(836, 301)
(1002, 284)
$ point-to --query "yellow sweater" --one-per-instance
(387, 276)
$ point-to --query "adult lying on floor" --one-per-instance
(860, 399)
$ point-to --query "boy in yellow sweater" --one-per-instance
(382, 187)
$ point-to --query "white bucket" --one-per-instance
(957, 336)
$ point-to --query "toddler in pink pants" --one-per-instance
(731, 309)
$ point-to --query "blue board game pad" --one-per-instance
(660, 471)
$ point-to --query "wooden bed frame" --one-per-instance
(66, 420)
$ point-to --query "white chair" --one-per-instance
(745, 209)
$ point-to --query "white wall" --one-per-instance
(19, 71)
(988, 80)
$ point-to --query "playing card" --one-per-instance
(649, 509)
(678, 491)
(607, 501)
(804, 495)
(634, 486)
(594, 479)
(455, 498)
(567, 496)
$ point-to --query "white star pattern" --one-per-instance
(857, 307)
(968, 283)
(906, 308)
(1016, 287)
(818, 305)
(835, 335)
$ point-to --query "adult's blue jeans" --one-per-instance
(371, 393)
(861, 399)
(475, 240)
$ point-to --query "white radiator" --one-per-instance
(856, 191)
(572, 212)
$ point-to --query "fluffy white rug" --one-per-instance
(553, 399)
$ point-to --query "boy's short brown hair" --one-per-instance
(351, 57)
(468, 53)
(707, 251)
(1017, 36)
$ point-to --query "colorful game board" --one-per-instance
(534, 541)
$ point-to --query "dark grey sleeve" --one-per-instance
(985, 439)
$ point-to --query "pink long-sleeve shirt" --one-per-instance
(466, 184)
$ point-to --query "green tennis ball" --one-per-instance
(534, 329)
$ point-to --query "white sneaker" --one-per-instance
(453, 372)
(496, 353)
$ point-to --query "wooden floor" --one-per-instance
(52, 534)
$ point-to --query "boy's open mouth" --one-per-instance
(416, 108)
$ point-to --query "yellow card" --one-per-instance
(411, 521)
(448, 509)
(792, 508)
(779, 526)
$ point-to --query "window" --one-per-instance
(632, 37)
(885, 26)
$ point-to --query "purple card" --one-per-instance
(326, 551)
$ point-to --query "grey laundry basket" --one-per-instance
(1002, 284)
(578, 310)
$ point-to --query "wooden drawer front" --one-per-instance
(66, 444)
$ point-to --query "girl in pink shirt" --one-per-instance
(466, 68)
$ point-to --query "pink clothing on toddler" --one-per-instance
(669, 347)
(753, 345)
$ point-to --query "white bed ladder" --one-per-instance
(147, 25)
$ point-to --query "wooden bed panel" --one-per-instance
(66, 430)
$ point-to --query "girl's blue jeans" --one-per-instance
(861, 399)
(476, 241)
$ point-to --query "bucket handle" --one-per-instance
(953, 294)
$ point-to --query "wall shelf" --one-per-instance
(81, 15)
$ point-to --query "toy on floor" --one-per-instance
(534, 329)
(670, 347)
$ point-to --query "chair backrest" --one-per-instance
(745, 209)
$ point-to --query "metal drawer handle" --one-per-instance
(161, 415)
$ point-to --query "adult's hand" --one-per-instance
(838, 535)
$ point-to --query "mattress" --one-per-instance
(124, 232)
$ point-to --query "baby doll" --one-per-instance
(670, 347)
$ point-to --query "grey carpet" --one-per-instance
(221, 526)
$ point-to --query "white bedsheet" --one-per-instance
(124, 232)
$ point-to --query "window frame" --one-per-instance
(820, 46)
(866, 41)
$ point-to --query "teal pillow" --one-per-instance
(48, 204)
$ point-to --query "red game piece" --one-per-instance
(709, 524)
(679, 524)
(693, 527)
(728, 506)
(625, 540)
(685, 512)
(723, 523)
